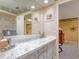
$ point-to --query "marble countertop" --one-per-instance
(26, 48)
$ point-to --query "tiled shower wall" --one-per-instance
(7, 24)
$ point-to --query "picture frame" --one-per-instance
(49, 17)
(36, 19)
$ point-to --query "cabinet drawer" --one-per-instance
(42, 50)
(30, 56)
(42, 53)
(51, 50)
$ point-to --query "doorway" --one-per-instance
(70, 29)
(28, 24)
(69, 24)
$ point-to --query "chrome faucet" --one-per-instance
(9, 41)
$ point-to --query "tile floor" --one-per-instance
(69, 51)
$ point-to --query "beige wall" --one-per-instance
(70, 28)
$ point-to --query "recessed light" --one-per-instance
(32, 6)
(46, 1)
(29, 19)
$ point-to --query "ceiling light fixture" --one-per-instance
(46, 1)
(32, 6)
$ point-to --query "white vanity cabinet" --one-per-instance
(52, 50)
(42, 53)
(31, 56)
(46, 52)
(39, 54)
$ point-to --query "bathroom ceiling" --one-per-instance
(21, 6)
(69, 10)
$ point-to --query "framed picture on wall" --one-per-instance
(49, 17)
(36, 19)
